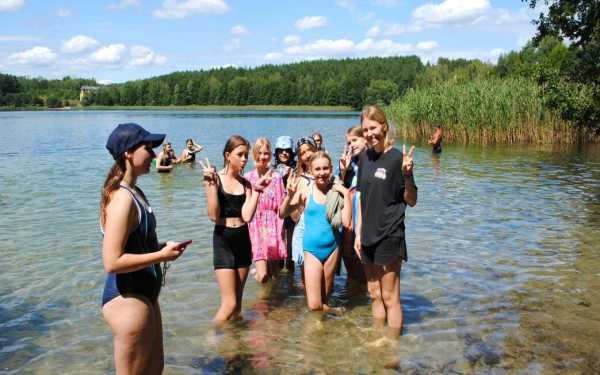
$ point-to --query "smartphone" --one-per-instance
(184, 243)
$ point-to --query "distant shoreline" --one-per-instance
(313, 108)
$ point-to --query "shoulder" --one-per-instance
(121, 201)
(394, 155)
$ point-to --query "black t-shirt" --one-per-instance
(381, 186)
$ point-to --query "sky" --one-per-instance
(120, 40)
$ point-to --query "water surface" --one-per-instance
(503, 273)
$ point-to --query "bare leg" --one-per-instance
(390, 292)
(228, 285)
(329, 269)
(131, 320)
(262, 271)
(242, 276)
(158, 355)
(313, 282)
(374, 274)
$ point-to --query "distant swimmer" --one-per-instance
(166, 159)
(436, 139)
(188, 155)
(132, 254)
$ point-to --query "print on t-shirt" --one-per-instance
(380, 173)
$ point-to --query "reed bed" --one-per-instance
(509, 110)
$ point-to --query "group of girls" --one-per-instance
(296, 210)
(167, 158)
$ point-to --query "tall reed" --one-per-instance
(492, 110)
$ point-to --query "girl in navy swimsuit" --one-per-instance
(132, 255)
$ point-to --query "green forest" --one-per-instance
(549, 91)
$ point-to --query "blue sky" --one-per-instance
(120, 40)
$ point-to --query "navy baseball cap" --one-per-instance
(127, 136)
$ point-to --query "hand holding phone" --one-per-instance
(183, 244)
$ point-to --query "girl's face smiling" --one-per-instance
(305, 153)
(263, 157)
(355, 144)
(373, 133)
(320, 168)
(284, 155)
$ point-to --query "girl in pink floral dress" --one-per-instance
(266, 227)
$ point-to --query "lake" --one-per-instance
(503, 273)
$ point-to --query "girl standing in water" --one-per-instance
(266, 228)
(131, 254)
(231, 201)
(320, 239)
(386, 186)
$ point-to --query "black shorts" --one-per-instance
(384, 251)
(231, 247)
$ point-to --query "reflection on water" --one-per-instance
(503, 272)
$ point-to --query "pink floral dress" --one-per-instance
(266, 228)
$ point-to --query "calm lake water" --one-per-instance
(503, 273)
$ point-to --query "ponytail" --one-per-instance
(112, 182)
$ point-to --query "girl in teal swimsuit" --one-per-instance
(320, 239)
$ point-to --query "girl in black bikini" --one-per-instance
(231, 202)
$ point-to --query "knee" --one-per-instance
(390, 298)
(375, 294)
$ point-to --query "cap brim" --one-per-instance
(156, 139)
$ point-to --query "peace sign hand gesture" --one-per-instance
(292, 183)
(264, 181)
(209, 172)
(407, 160)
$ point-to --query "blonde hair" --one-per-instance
(260, 143)
(374, 113)
(319, 155)
(355, 131)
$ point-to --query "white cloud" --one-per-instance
(273, 56)
(38, 56)
(104, 81)
(311, 22)
(427, 46)
(9, 5)
(373, 31)
(18, 38)
(183, 8)
(451, 11)
(383, 47)
(144, 56)
(63, 12)
(323, 46)
(239, 30)
(124, 4)
(496, 52)
(111, 54)
(291, 40)
(233, 44)
(79, 43)
(396, 29)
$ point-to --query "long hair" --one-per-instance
(319, 155)
(374, 113)
(232, 143)
(300, 167)
(112, 182)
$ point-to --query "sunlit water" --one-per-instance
(503, 273)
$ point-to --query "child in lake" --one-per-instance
(166, 158)
(348, 174)
(266, 228)
(188, 154)
(132, 254)
(320, 238)
(386, 186)
(231, 202)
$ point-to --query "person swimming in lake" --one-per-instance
(266, 228)
(436, 139)
(132, 254)
(385, 187)
(166, 158)
(188, 154)
(320, 236)
(231, 203)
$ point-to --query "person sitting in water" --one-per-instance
(436, 139)
(166, 158)
(188, 155)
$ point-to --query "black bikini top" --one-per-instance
(230, 204)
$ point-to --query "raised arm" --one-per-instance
(210, 182)
(410, 189)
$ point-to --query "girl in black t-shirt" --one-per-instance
(386, 186)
